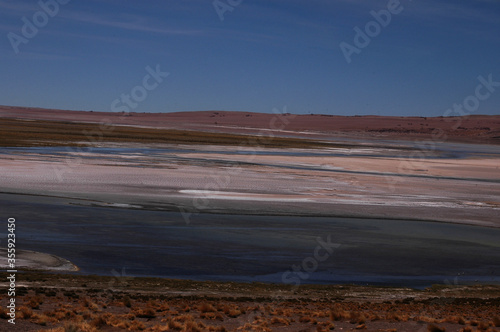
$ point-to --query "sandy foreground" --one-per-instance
(90, 303)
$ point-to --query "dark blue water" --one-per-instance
(389, 149)
(111, 241)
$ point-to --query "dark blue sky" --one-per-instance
(264, 54)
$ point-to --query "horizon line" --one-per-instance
(252, 112)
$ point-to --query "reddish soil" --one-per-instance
(474, 128)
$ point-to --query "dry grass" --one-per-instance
(280, 321)
(337, 313)
(15, 132)
(455, 320)
(43, 320)
(398, 317)
(206, 307)
(435, 328)
(356, 317)
(35, 302)
(73, 327)
(233, 313)
(137, 326)
(182, 323)
(174, 325)
(212, 316)
(4, 313)
(426, 319)
(145, 313)
(325, 326)
(95, 311)
(483, 326)
(25, 312)
(194, 326)
(184, 318)
(88, 303)
(127, 302)
(99, 322)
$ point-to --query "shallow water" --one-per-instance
(123, 242)
(425, 149)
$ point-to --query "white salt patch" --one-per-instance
(122, 205)
(242, 196)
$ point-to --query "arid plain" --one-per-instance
(436, 169)
(381, 170)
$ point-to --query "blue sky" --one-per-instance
(263, 55)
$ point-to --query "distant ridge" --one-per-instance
(474, 128)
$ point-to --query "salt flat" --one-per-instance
(26, 259)
(380, 182)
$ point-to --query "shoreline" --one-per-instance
(26, 260)
(201, 288)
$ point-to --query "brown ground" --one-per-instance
(23, 133)
(90, 303)
(86, 303)
(475, 128)
(387, 182)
